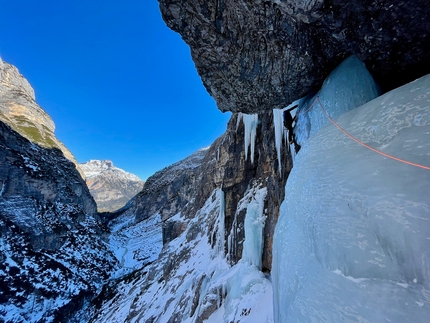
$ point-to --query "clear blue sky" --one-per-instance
(117, 82)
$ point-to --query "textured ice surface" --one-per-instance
(352, 243)
(349, 86)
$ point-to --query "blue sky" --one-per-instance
(117, 82)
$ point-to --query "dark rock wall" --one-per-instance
(225, 166)
(51, 253)
(185, 186)
(45, 175)
(257, 55)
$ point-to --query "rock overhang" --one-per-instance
(253, 56)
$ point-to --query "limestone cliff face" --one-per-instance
(18, 109)
(192, 197)
(186, 185)
(258, 55)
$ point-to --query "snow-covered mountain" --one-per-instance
(110, 186)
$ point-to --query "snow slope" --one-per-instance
(135, 244)
(353, 239)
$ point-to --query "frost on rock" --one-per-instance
(349, 86)
(352, 243)
(250, 122)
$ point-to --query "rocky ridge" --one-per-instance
(53, 257)
(18, 109)
(110, 186)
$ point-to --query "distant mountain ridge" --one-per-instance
(110, 186)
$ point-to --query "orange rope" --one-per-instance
(362, 143)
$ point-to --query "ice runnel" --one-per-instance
(219, 248)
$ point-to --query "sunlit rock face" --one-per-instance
(18, 109)
(258, 55)
(52, 254)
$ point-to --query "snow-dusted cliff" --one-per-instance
(53, 254)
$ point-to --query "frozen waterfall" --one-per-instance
(349, 86)
(352, 243)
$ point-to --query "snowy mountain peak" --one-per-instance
(97, 167)
(110, 186)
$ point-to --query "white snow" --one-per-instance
(352, 240)
(136, 244)
(203, 279)
(95, 168)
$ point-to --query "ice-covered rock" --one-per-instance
(349, 86)
(353, 239)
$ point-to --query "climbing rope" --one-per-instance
(360, 142)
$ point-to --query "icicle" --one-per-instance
(230, 238)
(250, 122)
(279, 130)
(2, 188)
(219, 227)
(239, 119)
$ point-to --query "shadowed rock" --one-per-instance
(258, 55)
